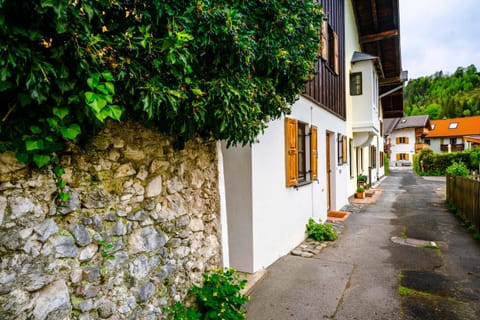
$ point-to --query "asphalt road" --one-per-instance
(366, 275)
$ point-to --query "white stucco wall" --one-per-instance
(280, 213)
(265, 218)
(365, 106)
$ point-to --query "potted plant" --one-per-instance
(360, 192)
(361, 180)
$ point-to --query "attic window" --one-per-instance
(453, 125)
(403, 120)
(433, 126)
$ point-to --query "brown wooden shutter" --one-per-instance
(335, 46)
(291, 151)
(406, 140)
(398, 156)
(313, 153)
(345, 156)
(324, 40)
(407, 156)
(397, 140)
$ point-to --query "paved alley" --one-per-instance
(366, 275)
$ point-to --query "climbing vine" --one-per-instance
(216, 69)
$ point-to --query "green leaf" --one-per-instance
(88, 11)
(59, 171)
(107, 76)
(115, 112)
(93, 80)
(71, 132)
(53, 123)
(110, 87)
(23, 157)
(35, 129)
(90, 97)
(197, 92)
(41, 160)
(32, 145)
(61, 112)
(64, 196)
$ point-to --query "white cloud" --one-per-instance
(439, 35)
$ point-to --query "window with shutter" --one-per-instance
(291, 151)
(313, 153)
(324, 40)
(335, 50)
(345, 154)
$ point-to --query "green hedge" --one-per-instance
(428, 163)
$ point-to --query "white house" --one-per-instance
(305, 164)
(405, 137)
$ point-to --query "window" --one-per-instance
(382, 161)
(342, 149)
(453, 125)
(433, 126)
(329, 46)
(403, 156)
(356, 84)
(301, 155)
(402, 140)
(453, 140)
(373, 156)
(426, 141)
(350, 151)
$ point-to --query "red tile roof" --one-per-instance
(456, 127)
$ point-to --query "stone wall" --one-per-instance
(141, 226)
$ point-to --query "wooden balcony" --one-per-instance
(454, 147)
(421, 132)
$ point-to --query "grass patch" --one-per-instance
(429, 246)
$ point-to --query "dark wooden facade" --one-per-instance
(328, 87)
(379, 30)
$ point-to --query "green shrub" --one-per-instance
(320, 231)
(458, 169)
(219, 297)
(386, 163)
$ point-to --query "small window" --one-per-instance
(382, 162)
(329, 47)
(373, 156)
(356, 84)
(342, 149)
(402, 140)
(426, 141)
(453, 125)
(433, 127)
(403, 120)
(453, 140)
(403, 156)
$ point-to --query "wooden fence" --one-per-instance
(465, 194)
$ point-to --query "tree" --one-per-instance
(216, 69)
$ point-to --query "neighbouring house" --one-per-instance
(405, 137)
(457, 134)
(305, 164)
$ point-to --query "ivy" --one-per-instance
(215, 69)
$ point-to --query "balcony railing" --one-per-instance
(454, 147)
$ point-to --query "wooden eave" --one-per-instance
(378, 27)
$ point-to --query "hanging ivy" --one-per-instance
(216, 69)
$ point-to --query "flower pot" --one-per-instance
(360, 195)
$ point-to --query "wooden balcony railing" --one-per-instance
(454, 147)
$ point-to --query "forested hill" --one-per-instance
(439, 95)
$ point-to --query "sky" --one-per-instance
(439, 35)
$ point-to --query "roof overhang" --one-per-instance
(378, 26)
